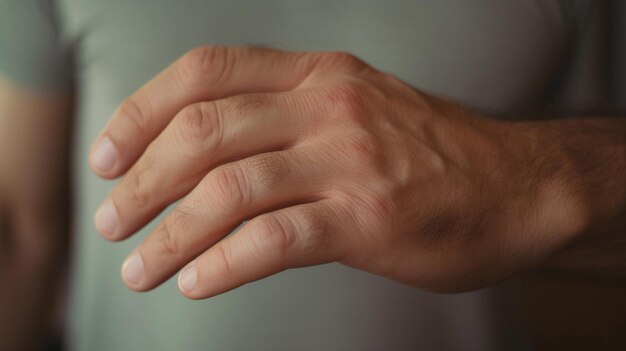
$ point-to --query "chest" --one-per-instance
(490, 54)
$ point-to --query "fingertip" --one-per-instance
(133, 272)
(106, 219)
(192, 297)
(197, 295)
(104, 158)
(190, 286)
(188, 279)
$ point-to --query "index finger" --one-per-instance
(203, 74)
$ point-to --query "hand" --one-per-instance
(329, 160)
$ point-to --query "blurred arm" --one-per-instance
(34, 202)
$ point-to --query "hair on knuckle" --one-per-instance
(268, 170)
(183, 215)
(314, 231)
(243, 105)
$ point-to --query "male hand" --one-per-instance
(329, 160)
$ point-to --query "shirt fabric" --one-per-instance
(501, 57)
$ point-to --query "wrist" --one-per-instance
(587, 191)
(545, 206)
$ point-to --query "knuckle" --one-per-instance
(360, 154)
(267, 171)
(183, 216)
(134, 113)
(313, 230)
(378, 211)
(206, 65)
(362, 147)
(137, 185)
(346, 100)
(344, 60)
(370, 214)
(199, 128)
(274, 234)
(303, 233)
(390, 79)
(228, 187)
(167, 239)
(224, 260)
(329, 64)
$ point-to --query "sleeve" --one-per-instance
(32, 52)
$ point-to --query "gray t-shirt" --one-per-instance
(504, 57)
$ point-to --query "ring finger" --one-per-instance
(200, 138)
(222, 200)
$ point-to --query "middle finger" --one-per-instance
(200, 137)
(226, 196)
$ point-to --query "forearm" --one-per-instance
(583, 161)
(30, 276)
(33, 259)
(34, 205)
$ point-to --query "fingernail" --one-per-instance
(104, 156)
(107, 218)
(132, 269)
(188, 278)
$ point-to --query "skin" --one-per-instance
(331, 160)
(34, 211)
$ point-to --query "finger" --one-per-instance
(203, 74)
(201, 137)
(297, 236)
(226, 196)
